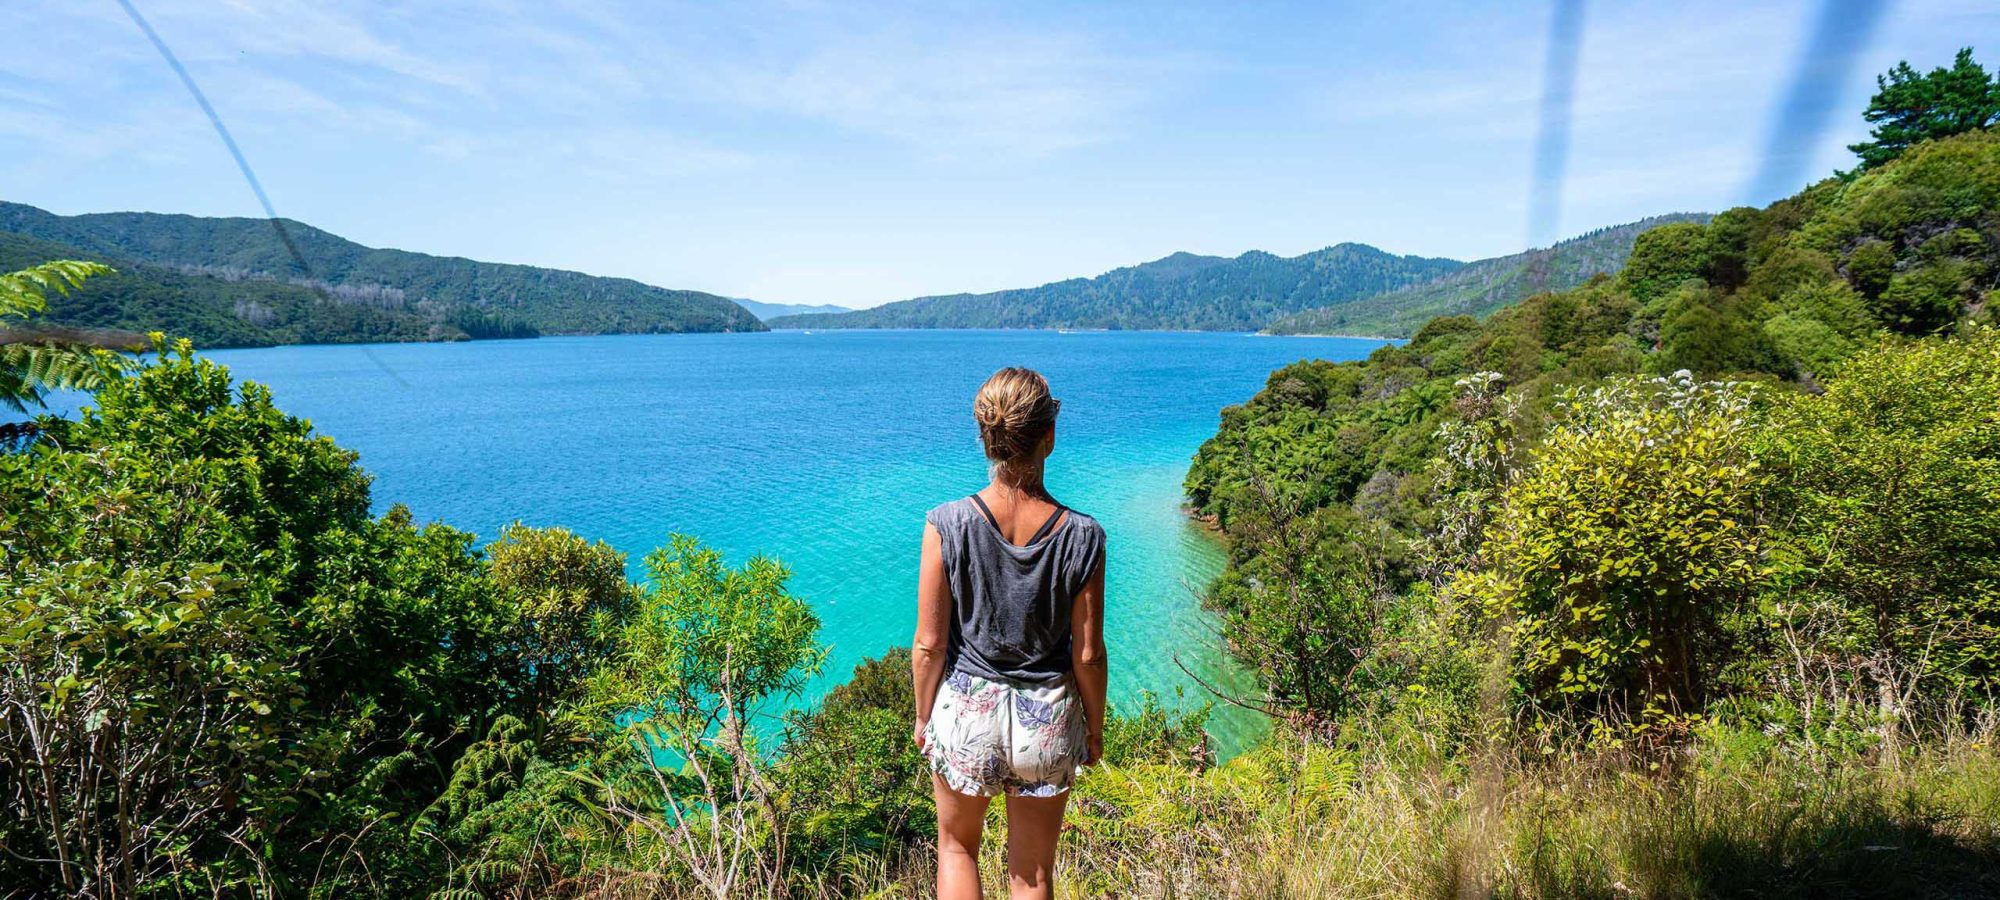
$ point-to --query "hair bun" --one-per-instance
(1014, 412)
(988, 411)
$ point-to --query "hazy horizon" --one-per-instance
(802, 153)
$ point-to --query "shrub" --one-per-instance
(1622, 544)
(854, 783)
(1889, 486)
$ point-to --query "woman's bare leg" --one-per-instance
(1033, 826)
(960, 819)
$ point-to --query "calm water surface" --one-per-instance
(821, 449)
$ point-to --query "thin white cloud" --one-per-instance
(1026, 94)
(943, 83)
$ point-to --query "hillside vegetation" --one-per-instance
(241, 269)
(1665, 581)
(217, 311)
(1479, 288)
(1182, 291)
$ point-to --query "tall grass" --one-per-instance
(1737, 813)
(1742, 815)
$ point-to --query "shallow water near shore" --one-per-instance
(820, 449)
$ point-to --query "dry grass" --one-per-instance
(1741, 818)
(1742, 815)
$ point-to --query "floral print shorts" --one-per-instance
(986, 738)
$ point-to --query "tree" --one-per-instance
(564, 599)
(707, 649)
(1665, 258)
(1910, 107)
(30, 366)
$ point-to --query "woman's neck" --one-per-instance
(1019, 485)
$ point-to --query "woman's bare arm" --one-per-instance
(1088, 658)
(933, 628)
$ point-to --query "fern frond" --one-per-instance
(30, 369)
(27, 371)
(25, 293)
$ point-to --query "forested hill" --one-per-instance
(1182, 291)
(219, 311)
(217, 257)
(1479, 288)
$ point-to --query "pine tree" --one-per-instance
(1910, 107)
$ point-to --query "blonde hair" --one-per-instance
(1015, 412)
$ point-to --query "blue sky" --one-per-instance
(860, 152)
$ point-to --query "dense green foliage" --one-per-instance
(1645, 544)
(196, 591)
(1614, 554)
(1479, 288)
(852, 773)
(1182, 291)
(1909, 107)
(243, 269)
(1889, 498)
(219, 672)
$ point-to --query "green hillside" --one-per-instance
(215, 311)
(1362, 467)
(1182, 291)
(1479, 288)
(435, 288)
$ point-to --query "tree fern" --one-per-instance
(25, 293)
(28, 368)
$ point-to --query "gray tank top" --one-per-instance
(1011, 605)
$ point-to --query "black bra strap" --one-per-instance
(1040, 533)
(1047, 526)
(987, 512)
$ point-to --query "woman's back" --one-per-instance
(1011, 603)
(1008, 664)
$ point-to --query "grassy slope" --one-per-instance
(1747, 820)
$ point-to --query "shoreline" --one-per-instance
(1356, 337)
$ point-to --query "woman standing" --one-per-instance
(1009, 654)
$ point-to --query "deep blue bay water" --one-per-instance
(820, 449)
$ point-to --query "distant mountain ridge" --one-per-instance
(411, 288)
(1180, 291)
(769, 311)
(1480, 287)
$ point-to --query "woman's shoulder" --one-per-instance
(1086, 524)
(949, 513)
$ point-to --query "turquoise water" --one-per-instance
(821, 449)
